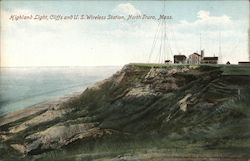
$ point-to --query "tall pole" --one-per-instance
(165, 51)
(249, 42)
(220, 54)
(200, 43)
(249, 33)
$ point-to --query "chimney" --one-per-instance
(202, 54)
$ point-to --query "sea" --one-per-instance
(23, 87)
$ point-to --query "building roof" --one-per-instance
(196, 54)
(180, 56)
(244, 62)
(210, 58)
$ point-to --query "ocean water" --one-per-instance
(23, 87)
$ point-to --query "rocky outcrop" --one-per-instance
(47, 116)
(183, 102)
(60, 135)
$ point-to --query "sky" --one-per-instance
(208, 25)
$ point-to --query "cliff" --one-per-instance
(143, 106)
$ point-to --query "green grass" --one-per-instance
(227, 69)
(236, 70)
(113, 147)
(158, 65)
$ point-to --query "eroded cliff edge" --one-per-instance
(203, 106)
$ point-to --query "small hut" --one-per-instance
(180, 59)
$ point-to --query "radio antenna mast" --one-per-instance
(200, 43)
(220, 53)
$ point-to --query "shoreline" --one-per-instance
(48, 99)
(36, 108)
(19, 97)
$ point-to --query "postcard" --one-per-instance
(150, 80)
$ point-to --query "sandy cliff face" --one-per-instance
(198, 103)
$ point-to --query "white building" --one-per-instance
(194, 58)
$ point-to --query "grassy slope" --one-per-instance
(216, 124)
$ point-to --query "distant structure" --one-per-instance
(202, 54)
(210, 60)
(244, 63)
(168, 62)
(194, 58)
(180, 59)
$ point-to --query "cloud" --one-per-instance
(127, 9)
(203, 14)
(207, 22)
